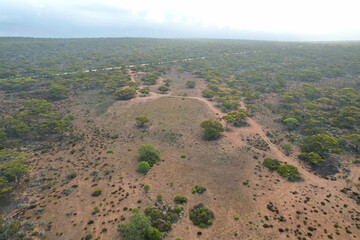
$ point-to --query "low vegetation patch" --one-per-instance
(201, 216)
(162, 217)
(212, 129)
(271, 164)
(148, 153)
(96, 193)
(180, 199)
(288, 171)
(143, 167)
(139, 228)
(125, 93)
(198, 189)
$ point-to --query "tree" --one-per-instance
(289, 171)
(354, 141)
(167, 82)
(141, 120)
(228, 120)
(125, 93)
(207, 93)
(134, 84)
(148, 153)
(291, 123)
(227, 105)
(311, 157)
(271, 164)
(144, 91)
(139, 228)
(212, 129)
(320, 144)
(190, 84)
(238, 118)
(57, 92)
(12, 167)
(163, 89)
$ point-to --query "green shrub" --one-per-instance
(153, 234)
(138, 228)
(289, 171)
(143, 167)
(180, 199)
(142, 120)
(272, 164)
(88, 237)
(201, 216)
(212, 129)
(96, 193)
(288, 149)
(146, 187)
(163, 89)
(311, 157)
(148, 153)
(159, 197)
(198, 189)
(125, 93)
(207, 93)
(96, 209)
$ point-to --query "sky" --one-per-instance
(286, 20)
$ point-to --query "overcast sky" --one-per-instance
(245, 19)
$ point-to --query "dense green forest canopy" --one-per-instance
(33, 56)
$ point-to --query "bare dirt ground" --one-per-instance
(237, 184)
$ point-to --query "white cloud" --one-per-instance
(298, 17)
(293, 16)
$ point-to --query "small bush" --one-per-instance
(180, 199)
(201, 216)
(289, 171)
(146, 187)
(311, 157)
(198, 189)
(143, 167)
(139, 228)
(288, 149)
(96, 209)
(271, 164)
(148, 153)
(212, 129)
(159, 197)
(190, 84)
(125, 93)
(96, 193)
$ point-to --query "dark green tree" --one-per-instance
(163, 89)
(148, 153)
(57, 92)
(212, 129)
(138, 228)
(143, 167)
(125, 93)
